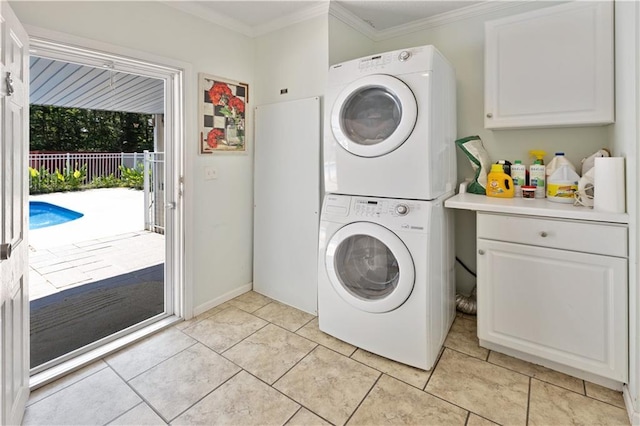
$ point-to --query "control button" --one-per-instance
(404, 55)
(402, 209)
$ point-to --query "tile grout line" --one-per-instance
(65, 387)
(136, 392)
(271, 386)
(205, 395)
(155, 365)
(364, 397)
(526, 421)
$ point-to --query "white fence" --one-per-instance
(154, 191)
(97, 163)
(103, 164)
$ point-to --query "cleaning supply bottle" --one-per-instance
(562, 185)
(537, 173)
(499, 184)
(556, 162)
(518, 174)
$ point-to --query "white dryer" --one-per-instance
(390, 125)
(385, 275)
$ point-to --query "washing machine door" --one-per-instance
(374, 115)
(369, 267)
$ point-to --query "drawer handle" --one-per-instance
(543, 234)
(480, 252)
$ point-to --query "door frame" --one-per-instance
(178, 301)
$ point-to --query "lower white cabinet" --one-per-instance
(555, 289)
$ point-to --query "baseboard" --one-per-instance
(580, 374)
(634, 416)
(220, 300)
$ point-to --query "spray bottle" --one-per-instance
(537, 173)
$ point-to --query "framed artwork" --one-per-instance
(222, 114)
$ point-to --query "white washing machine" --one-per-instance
(385, 275)
(390, 125)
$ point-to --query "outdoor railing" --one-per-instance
(154, 191)
(91, 166)
(98, 164)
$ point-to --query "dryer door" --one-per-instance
(369, 267)
(374, 115)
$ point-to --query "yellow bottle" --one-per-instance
(499, 184)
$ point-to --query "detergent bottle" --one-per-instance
(537, 173)
(499, 184)
(519, 176)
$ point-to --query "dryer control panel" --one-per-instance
(383, 207)
(375, 62)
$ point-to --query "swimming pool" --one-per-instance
(43, 214)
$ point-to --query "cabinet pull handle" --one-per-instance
(480, 252)
(543, 234)
(489, 115)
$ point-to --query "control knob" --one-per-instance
(402, 209)
(404, 55)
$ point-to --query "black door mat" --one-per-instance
(71, 319)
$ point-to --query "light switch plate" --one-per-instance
(210, 173)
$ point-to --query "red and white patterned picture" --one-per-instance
(223, 107)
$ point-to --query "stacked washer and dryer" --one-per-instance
(386, 245)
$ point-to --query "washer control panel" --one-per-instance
(396, 215)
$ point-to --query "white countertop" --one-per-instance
(531, 207)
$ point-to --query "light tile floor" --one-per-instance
(253, 361)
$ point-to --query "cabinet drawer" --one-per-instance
(587, 237)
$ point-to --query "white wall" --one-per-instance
(219, 246)
(293, 58)
(346, 43)
(462, 43)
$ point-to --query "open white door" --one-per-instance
(14, 145)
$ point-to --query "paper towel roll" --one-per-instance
(608, 185)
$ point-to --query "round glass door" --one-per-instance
(370, 267)
(374, 115)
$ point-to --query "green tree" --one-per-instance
(72, 129)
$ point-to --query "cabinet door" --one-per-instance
(551, 67)
(563, 306)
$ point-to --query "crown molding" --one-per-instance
(468, 12)
(196, 9)
(319, 10)
(341, 13)
(448, 18)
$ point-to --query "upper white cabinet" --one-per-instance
(551, 67)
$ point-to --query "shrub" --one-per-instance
(106, 182)
(133, 177)
(42, 181)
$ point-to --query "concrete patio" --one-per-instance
(109, 240)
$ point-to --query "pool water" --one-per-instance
(43, 214)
